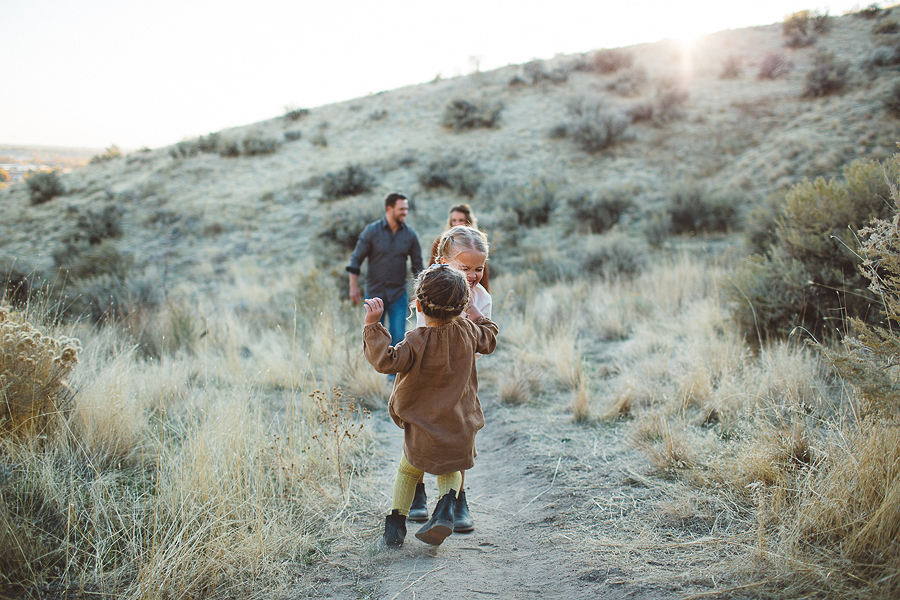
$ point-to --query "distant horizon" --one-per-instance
(152, 74)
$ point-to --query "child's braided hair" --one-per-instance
(442, 291)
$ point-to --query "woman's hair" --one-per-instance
(460, 239)
(465, 209)
(442, 292)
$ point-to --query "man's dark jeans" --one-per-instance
(395, 314)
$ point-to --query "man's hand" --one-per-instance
(374, 310)
(355, 295)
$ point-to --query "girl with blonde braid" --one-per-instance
(464, 249)
(435, 396)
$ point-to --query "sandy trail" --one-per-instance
(521, 547)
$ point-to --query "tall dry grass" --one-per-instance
(220, 465)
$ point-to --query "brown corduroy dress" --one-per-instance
(435, 397)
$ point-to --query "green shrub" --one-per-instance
(462, 115)
(532, 204)
(691, 210)
(774, 65)
(81, 260)
(293, 135)
(104, 298)
(892, 101)
(599, 212)
(461, 176)
(352, 180)
(43, 186)
(827, 76)
(810, 277)
(347, 218)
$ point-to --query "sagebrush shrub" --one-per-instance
(870, 360)
(595, 128)
(774, 65)
(96, 226)
(352, 180)
(798, 29)
(34, 368)
(613, 255)
(599, 211)
(256, 144)
(532, 204)
(886, 27)
(111, 153)
(81, 260)
(608, 61)
(462, 176)
(292, 113)
(293, 135)
(731, 67)
(828, 75)
(692, 209)
(347, 218)
(891, 101)
(810, 276)
(669, 100)
(44, 186)
(462, 115)
(205, 143)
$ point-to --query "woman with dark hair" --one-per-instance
(460, 214)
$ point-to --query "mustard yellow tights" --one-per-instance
(407, 478)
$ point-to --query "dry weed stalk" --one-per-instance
(339, 428)
(33, 373)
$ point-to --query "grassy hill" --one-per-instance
(192, 449)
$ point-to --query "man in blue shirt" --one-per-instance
(387, 243)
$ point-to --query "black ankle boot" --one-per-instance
(462, 521)
(418, 512)
(394, 529)
(440, 526)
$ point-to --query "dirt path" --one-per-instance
(541, 491)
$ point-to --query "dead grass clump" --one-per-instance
(34, 368)
(581, 400)
(519, 384)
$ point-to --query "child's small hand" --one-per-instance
(374, 310)
(472, 312)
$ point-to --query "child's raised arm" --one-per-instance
(374, 310)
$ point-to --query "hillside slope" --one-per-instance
(204, 216)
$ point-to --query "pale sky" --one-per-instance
(92, 73)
